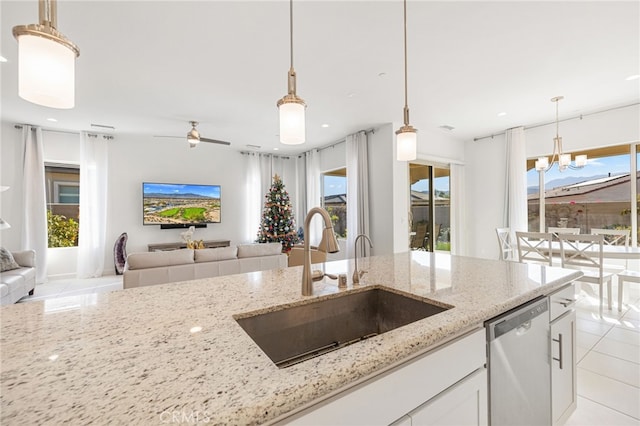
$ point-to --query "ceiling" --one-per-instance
(147, 68)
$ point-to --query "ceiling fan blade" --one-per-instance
(214, 141)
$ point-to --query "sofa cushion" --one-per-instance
(7, 262)
(260, 249)
(157, 259)
(216, 254)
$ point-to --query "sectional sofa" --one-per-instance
(150, 268)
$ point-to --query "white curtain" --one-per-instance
(34, 200)
(357, 192)
(313, 195)
(254, 197)
(515, 205)
(457, 197)
(93, 205)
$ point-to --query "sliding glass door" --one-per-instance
(430, 207)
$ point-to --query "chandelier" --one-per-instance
(564, 160)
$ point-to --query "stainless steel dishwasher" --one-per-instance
(519, 366)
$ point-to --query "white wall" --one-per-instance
(485, 167)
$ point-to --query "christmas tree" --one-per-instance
(278, 223)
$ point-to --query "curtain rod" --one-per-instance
(581, 116)
(69, 132)
(285, 157)
(333, 144)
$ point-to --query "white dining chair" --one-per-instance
(614, 237)
(534, 247)
(626, 276)
(505, 242)
(556, 230)
(585, 252)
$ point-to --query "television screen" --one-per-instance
(180, 204)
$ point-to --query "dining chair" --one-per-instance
(556, 230)
(626, 276)
(534, 247)
(614, 237)
(505, 242)
(585, 252)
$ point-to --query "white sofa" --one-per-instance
(143, 269)
(17, 283)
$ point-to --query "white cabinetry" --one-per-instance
(447, 385)
(563, 353)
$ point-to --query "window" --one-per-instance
(596, 196)
(62, 182)
(334, 199)
(430, 183)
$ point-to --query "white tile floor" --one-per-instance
(608, 350)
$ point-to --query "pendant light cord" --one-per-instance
(291, 30)
(406, 103)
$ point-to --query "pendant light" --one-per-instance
(407, 135)
(291, 107)
(46, 61)
(564, 160)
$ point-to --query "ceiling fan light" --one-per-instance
(46, 72)
(581, 160)
(292, 120)
(407, 141)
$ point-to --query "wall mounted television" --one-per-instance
(176, 205)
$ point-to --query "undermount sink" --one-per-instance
(296, 333)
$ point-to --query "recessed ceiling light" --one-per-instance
(53, 120)
(502, 114)
(3, 59)
(325, 125)
(382, 74)
(447, 127)
(633, 77)
(276, 149)
(351, 95)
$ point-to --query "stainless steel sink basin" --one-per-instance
(296, 333)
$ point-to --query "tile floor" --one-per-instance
(608, 350)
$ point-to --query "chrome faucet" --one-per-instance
(328, 235)
(358, 274)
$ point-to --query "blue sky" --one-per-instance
(169, 188)
(598, 166)
(441, 184)
(335, 185)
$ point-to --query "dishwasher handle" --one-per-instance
(518, 319)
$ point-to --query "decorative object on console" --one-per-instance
(120, 253)
(278, 223)
(188, 234)
(46, 61)
(173, 205)
(195, 245)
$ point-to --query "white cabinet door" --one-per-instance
(563, 367)
(463, 404)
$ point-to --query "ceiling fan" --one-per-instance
(194, 138)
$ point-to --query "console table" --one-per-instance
(182, 245)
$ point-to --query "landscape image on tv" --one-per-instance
(168, 203)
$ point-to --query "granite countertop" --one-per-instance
(158, 354)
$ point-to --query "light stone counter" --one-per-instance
(136, 356)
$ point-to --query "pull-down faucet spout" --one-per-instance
(358, 274)
(329, 236)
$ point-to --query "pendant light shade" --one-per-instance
(46, 61)
(291, 107)
(407, 135)
(406, 140)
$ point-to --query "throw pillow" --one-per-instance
(7, 262)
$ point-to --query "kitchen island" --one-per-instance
(174, 352)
